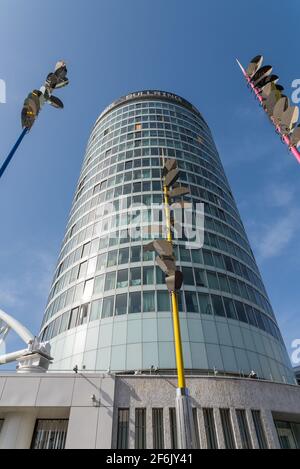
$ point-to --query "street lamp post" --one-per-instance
(34, 102)
(174, 278)
(184, 416)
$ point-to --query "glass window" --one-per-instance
(99, 284)
(85, 249)
(173, 428)
(158, 428)
(96, 310)
(140, 428)
(70, 295)
(191, 302)
(200, 277)
(251, 315)
(244, 429)
(219, 262)
(134, 302)
(135, 276)
(78, 291)
(91, 268)
(83, 316)
(204, 302)
(103, 243)
(137, 186)
(112, 258)
(163, 301)
(101, 262)
(185, 255)
(259, 429)
(123, 428)
(188, 277)
(123, 255)
(228, 263)
(88, 289)
(148, 276)
(50, 434)
(82, 269)
(196, 426)
(230, 309)
(218, 305)
(148, 302)
(208, 258)
(121, 304)
(234, 286)
(227, 429)
(288, 434)
(64, 322)
(122, 278)
(74, 273)
(212, 280)
(197, 256)
(240, 311)
(135, 254)
(73, 318)
(108, 307)
(160, 276)
(94, 246)
(110, 281)
(148, 255)
(224, 286)
(210, 429)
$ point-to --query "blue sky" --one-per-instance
(113, 47)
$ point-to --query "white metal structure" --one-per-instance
(8, 323)
(35, 356)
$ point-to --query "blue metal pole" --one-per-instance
(12, 152)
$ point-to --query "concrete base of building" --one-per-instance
(259, 413)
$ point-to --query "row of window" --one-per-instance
(146, 107)
(52, 433)
(187, 161)
(154, 151)
(201, 151)
(128, 183)
(108, 168)
(112, 123)
(176, 129)
(115, 238)
(208, 414)
(111, 220)
(103, 161)
(110, 223)
(134, 254)
(107, 122)
(113, 188)
(212, 240)
(136, 302)
(108, 163)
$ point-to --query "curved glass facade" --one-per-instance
(108, 307)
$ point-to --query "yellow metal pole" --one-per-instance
(175, 309)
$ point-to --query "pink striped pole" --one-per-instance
(285, 138)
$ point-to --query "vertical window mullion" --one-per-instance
(244, 429)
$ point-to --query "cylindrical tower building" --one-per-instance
(108, 307)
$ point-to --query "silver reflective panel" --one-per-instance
(261, 74)
(289, 119)
(279, 108)
(295, 137)
(254, 65)
(271, 101)
(269, 79)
